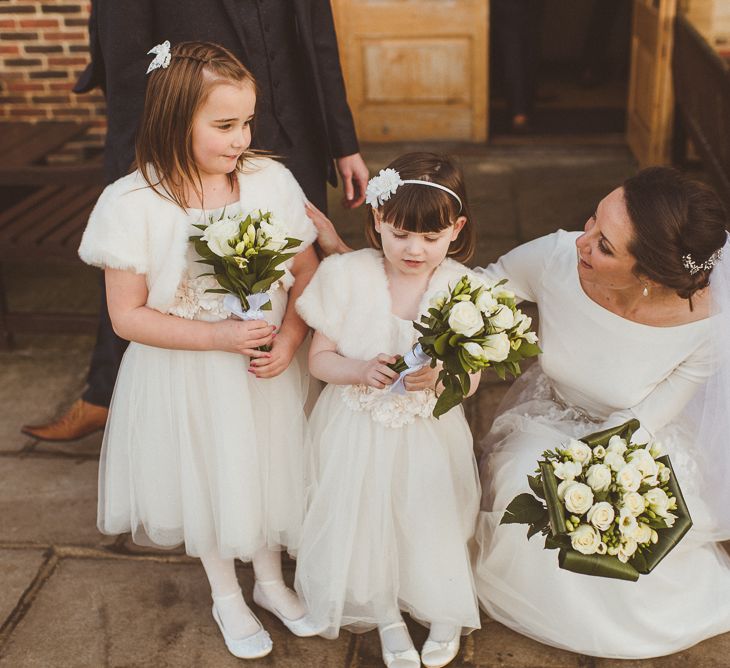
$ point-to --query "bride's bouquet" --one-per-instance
(608, 502)
(472, 327)
(246, 253)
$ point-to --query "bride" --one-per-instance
(634, 316)
(628, 329)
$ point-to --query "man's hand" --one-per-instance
(355, 175)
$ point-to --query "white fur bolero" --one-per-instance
(348, 301)
(135, 229)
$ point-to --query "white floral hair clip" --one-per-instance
(709, 263)
(162, 56)
(382, 186)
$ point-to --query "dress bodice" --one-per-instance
(596, 360)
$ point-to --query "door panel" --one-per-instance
(415, 69)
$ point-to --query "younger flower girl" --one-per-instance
(395, 492)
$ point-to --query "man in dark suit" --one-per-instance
(302, 116)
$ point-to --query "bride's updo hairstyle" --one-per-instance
(164, 143)
(673, 216)
(424, 209)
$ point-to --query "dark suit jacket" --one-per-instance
(122, 31)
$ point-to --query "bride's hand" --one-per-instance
(423, 379)
(329, 241)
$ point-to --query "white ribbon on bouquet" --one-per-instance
(415, 359)
(256, 302)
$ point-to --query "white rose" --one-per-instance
(585, 539)
(656, 449)
(579, 451)
(629, 478)
(496, 347)
(599, 452)
(502, 318)
(643, 461)
(617, 444)
(276, 234)
(601, 515)
(643, 535)
(626, 550)
(578, 498)
(598, 477)
(218, 234)
(438, 299)
(634, 503)
(567, 470)
(614, 460)
(475, 351)
(562, 487)
(658, 501)
(486, 303)
(466, 319)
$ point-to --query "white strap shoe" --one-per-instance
(302, 627)
(436, 654)
(407, 658)
(255, 646)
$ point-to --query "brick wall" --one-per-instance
(43, 49)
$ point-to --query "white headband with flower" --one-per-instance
(162, 56)
(382, 186)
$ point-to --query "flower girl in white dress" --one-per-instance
(206, 436)
(395, 492)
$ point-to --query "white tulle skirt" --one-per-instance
(199, 452)
(391, 512)
(686, 598)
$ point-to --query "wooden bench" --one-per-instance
(46, 217)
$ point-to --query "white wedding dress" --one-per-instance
(596, 368)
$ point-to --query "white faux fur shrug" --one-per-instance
(135, 229)
(348, 301)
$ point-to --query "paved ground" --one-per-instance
(72, 597)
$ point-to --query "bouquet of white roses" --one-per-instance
(472, 327)
(245, 253)
(609, 502)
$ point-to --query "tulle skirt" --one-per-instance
(391, 512)
(199, 452)
(684, 600)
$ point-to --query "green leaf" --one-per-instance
(524, 509)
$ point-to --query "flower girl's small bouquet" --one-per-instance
(246, 253)
(472, 327)
(609, 502)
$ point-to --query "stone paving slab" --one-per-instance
(18, 568)
(34, 384)
(141, 613)
(48, 501)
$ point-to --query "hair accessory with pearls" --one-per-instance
(708, 264)
(162, 56)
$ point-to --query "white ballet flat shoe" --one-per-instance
(302, 627)
(407, 658)
(255, 646)
(435, 654)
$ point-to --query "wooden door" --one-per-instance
(650, 106)
(415, 69)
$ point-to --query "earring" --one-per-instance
(645, 291)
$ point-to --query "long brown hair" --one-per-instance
(164, 143)
(424, 209)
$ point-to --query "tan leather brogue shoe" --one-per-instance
(78, 421)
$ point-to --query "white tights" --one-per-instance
(236, 616)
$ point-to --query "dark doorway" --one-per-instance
(563, 64)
